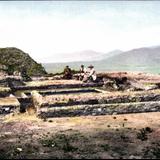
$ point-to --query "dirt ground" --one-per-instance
(132, 136)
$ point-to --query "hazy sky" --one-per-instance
(53, 28)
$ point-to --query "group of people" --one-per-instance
(85, 74)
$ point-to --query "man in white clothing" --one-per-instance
(91, 74)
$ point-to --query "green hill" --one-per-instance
(16, 60)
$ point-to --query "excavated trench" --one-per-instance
(46, 92)
(58, 86)
(27, 99)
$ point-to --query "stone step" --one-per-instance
(57, 86)
(100, 98)
(11, 81)
(100, 109)
(9, 105)
(5, 91)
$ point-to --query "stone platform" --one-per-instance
(56, 98)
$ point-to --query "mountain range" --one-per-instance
(146, 59)
(85, 55)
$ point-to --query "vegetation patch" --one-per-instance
(143, 133)
(106, 147)
(16, 60)
(60, 142)
(152, 152)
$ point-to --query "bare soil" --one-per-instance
(132, 136)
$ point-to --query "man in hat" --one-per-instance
(67, 73)
(83, 71)
(91, 74)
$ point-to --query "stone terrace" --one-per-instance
(56, 98)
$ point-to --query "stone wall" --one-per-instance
(103, 109)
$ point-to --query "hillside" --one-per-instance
(15, 60)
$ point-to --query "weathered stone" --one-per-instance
(124, 83)
(11, 81)
(65, 95)
(58, 86)
(37, 101)
(5, 91)
(104, 109)
(100, 98)
(9, 105)
(23, 95)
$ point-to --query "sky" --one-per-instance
(51, 30)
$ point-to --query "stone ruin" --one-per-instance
(113, 94)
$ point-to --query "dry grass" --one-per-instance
(23, 117)
(85, 137)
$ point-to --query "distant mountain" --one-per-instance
(140, 59)
(13, 59)
(110, 54)
(76, 59)
(96, 56)
(86, 55)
